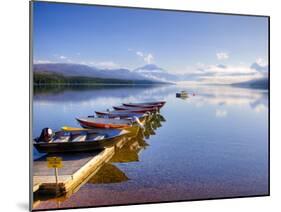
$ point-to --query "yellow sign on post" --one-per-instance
(54, 162)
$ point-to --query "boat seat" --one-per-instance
(61, 139)
(95, 137)
(79, 138)
(99, 137)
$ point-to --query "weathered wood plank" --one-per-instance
(36, 186)
(77, 167)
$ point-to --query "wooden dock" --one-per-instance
(77, 167)
(87, 167)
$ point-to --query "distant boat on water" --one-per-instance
(182, 94)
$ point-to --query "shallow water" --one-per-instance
(210, 145)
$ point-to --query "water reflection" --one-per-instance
(91, 96)
(213, 144)
(73, 93)
(225, 95)
(108, 173)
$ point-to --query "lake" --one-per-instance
(213, 144)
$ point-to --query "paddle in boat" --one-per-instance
(76, 140)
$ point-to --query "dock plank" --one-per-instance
(76, 168)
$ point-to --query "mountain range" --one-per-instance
(262, 83)
(148, 72)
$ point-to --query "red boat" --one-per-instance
(136, 109)
(103, 123)
(158, 104)
(91, 122)
(119, 113)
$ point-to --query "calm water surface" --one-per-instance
(213, 144)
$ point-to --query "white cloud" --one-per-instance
(66, 60)
(103, 64)
(260, 65)
(41, 61)
(147, 57)
(228, 74)
(223, 74)
(139, 53)
(200, 65)
(62, 57)
(221, 113)
(222, 55)
(261, 62)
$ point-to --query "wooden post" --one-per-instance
(56, 175)
(55, 163)
(57, 181)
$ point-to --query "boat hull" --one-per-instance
(132, 128)
(159, 104)
(93, 124)
(76, 146)
(179, 95)
(88, 143)
(135, 109)
(119, 114)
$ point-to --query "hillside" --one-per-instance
(258, 84)
(80, 70)
(150, 72)
(47, 77)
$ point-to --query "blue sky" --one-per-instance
(180, 42)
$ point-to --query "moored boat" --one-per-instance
(123, 114)
(136, 109)
(158, 104)
(131, 130)
(77, 140)
(92, 122)
(182, 94)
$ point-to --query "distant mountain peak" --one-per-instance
(152, 71)
(149, 68)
